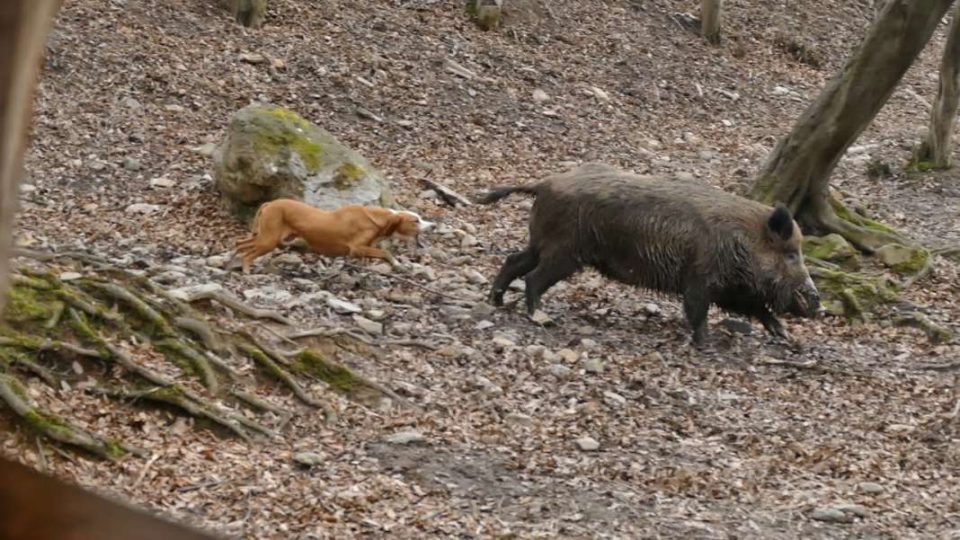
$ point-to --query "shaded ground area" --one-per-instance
(751, 438)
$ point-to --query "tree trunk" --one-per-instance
(798, 170)
(935, 150)
(710, 20)
(24, 25)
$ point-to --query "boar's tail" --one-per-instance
(495, 195)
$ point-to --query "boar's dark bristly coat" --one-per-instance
(672, 236)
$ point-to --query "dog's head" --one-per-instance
(411, 224)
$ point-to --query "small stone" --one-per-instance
(588, 344)
(540, 96)
(568, 355)
(216, 261)
(587, 444)
(406, 437)
(651, 309)
(685, 176)
(376, 314)
(206, 149)
(368, 326)
(162, 182)
(468, 240)
(308, 459)
(287, 258)
(850, 508)
(253, 58)
(474, 277)
(131, 164)
(484, 324)
(614, 399)
(519, 419)
(780, 90)
(691, 137)
(592, 365)
(559, 371)
(342, 306)
(653, 357)
(501, 342)
(70, 276)
(482, 310)
(186, 293)
(131, 103)
(540, 317)
(871, 488)
(174, 108)
(831, 515)
(142, 208)
(602, 95)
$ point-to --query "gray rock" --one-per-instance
(519, 419)
(568, 355)
(587, 444)
(368, 326)
(651, 309)
(143, 208)
(501, 342)
(593, 365)
(685, 176)
(482, 310)
(70, 276)
(540, 317)
(308, 459)
(614, 399)
(342, 306)
(870, 488)
(474, 277)
(216, 261)
(484, 324)
(559, 371)
(831, 515)
(468, 240)
(270, 152)
(131, 164)
(406, 437)
(539, 96)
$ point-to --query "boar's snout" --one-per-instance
(806, 300)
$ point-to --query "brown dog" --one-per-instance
(346, 231)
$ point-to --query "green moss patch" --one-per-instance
(278, 130)
(340, 378)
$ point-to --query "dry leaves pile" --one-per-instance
(606, 424)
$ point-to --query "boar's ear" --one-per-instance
(780, 223)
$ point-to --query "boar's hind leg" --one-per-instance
(696, 302)
(548, 272)
(517, 265)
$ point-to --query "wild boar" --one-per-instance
(666, 235)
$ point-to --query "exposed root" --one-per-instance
(96, 317)
(15, 396)
(235, 304)
(935, 333)
(198, 362)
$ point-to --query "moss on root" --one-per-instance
(118, 319)
(338, 377)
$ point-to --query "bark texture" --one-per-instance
(710, 20)
(24, 25)
(799, 168)
(935, 151)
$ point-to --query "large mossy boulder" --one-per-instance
(270, 152)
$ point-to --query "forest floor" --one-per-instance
(749, 439)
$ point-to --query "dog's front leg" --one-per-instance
(373, 253)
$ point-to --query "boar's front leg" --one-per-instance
(517, 264)
(772, 323)
(696, 303)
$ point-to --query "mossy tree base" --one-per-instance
(117, 320)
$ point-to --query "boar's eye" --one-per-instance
(793, 257)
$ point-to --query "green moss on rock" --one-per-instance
(850, 294)
(347, 175)
(277, 130)
(902, 259)
(832, 248)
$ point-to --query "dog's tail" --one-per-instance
(495, 195)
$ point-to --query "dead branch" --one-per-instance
(445, 193)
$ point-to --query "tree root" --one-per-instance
(935, 333)
(865, 234)
(14, 395)
(92, 319)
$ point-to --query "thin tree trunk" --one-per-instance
(798, 170)
(24, 25)
(710, 20)
(935, 150)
